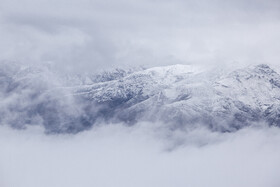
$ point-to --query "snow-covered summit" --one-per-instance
(183, 94)
(178, 95)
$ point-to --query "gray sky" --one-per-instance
(89, 35)
(92, 34)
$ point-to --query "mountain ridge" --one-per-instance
(182, 96)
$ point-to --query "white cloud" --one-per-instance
(115, 155)
(87, 35)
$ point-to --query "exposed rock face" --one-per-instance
(178, 95)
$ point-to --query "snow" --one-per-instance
(180, 95)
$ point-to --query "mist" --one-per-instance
(81, 105)
(114, 155)
(87, 36)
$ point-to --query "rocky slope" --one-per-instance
(181, 96)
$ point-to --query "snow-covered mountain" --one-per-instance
(181, 96)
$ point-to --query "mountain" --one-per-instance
(180, 96)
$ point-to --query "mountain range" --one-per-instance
(180, 96)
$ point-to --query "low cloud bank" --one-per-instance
(142, 155)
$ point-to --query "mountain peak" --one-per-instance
(264, 68)
(179, 95)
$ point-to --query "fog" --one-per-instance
(71, 37)
(143, 155)
(92, 35)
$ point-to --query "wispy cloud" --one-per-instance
(87, 35)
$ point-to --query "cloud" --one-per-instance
(114, 155)
(86, 36)
(89, 35)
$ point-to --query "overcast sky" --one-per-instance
(91, 34)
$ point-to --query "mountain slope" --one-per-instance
(181, 96)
